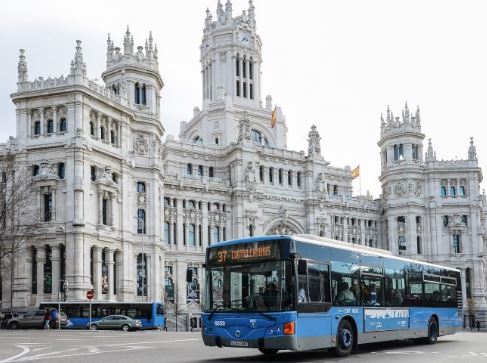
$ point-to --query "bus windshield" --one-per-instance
(254, 287)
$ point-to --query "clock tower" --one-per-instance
(231, 57)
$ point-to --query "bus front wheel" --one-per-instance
(268, 352)
(345, 339)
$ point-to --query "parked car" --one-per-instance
(34, 320)
(116, 322)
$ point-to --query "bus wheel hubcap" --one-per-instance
(346, 338)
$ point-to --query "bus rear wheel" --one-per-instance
(268, 352)
(433, 329)
(345, 339)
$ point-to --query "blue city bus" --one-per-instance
(305, 292)
(151, 314)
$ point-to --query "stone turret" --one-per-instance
(23, 76)
(78, 67)
(472, 151)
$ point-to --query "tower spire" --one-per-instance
(22, 68)
(109, 50)
(430, 154)
(251, 14)
(228, 11)
(472, 151)
(405, 114)
(220, 14)
(78, 67)
(128, 43)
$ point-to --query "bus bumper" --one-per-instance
(285, 342)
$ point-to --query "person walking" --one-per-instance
(47, 319)
(54, 318)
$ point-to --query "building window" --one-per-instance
(140, 221)
(50, 126)
(251, 91)
(415, 152)
(465, 219)
(47, 207)
(237, 66)
(93, 173)
(141, 274)
(290, 178)
(34, 271)
(184, 235)
(298, 179)
(261, 173)
(461, 191)
(251, 230)
(456, 243)
(141, 187)
(453, 191)
(418, 245)
(35, 170)
(401, 243)
(140, 94)
(244, 67)
(190, 204)
(468, 283)
(92, 128)
(280, 176)
(443, 191)
(115, 177)
(48, 271)
(4, 177)
(335, 189)
(102, 132)
(398, 152)
(60, 170)
(211, 173)
(113, 137)
(191, 235)
(215, 231)
(104, 206)
(217, 141)
(418, 219)
(445, 219)
(200, 235)
(200, 170)
(251, 69)
(238, 88)
(244, 89)
(189, 169)
(63, 125)
(37, 128)
(143, 98)
(271, 175)
(256, 137)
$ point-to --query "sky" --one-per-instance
(335, 64)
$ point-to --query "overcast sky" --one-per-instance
(336, 64)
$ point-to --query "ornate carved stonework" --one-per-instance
(320, 186)
(314, 138)
(141, 145)
(250, 177)
(244, 132)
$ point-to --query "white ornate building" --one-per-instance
(121, 209)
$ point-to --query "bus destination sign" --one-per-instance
(257, 251)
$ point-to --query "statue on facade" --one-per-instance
(244, 132)
(314, 138)
(250, 177)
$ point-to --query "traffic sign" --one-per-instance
(90, 294)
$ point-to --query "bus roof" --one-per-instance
(309, 238)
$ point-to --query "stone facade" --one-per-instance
(129, 214)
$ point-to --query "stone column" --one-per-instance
(118, 256)
(41, 260)
(464, 289)
(186, 233)
(171, 232)
(197, 234)
(113, 201)
(56, 270)
(110, 264)
(100, 207)
(204, 225)
(179, 223)
(148, 277)
(181, 267)
(97, 267)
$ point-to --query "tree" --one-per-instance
(19, 221)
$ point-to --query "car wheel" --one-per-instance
(345, 339)
(94, 327)
(125, 327)
(268, 352)
(14, 325)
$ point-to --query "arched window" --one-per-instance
(453, 191)
(256, 137)
(50, 126)
(244, 68)
(92, 128)
(217, 141)
(115, 177)
(191, 235)
(251, 230)
(137, 94)
(443, 191)
(461, 191)
(63, 127)
(280, 176)
(215, 234)
(290, 178)
(261, 173)
(37, 128)
(457, 248)
(140, 221)
(415, 152)
(47, 207)
(251, 69)
(102, 132)
(141, 187)
(210, 172)
(190, 204)
(189, 169)
(200, 170)
(60, 170)
(237, 65)
(298, 179)
(93, 173)
(113, 137)
(143, 99)
(271, 175)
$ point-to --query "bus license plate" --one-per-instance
(239, 343)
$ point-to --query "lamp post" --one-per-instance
(63, 282)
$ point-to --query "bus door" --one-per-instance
(313, 303)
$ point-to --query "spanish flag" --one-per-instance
(356, 172)
(274, 118)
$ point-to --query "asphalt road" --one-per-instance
(114, 346)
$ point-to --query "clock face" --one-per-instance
(244, 38)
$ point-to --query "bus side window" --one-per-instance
(303, 295)
(319, 283)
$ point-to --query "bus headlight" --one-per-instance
(289, 328)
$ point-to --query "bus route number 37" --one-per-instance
(219, 322)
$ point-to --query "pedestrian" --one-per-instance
(478, 325)
(47, 319)
(54, 318)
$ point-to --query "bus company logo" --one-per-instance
(387, 313)
(253, 323)
(237, 333)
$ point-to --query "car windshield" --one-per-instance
(259, 287)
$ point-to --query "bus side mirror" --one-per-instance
(302, 267)
(189, 276)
